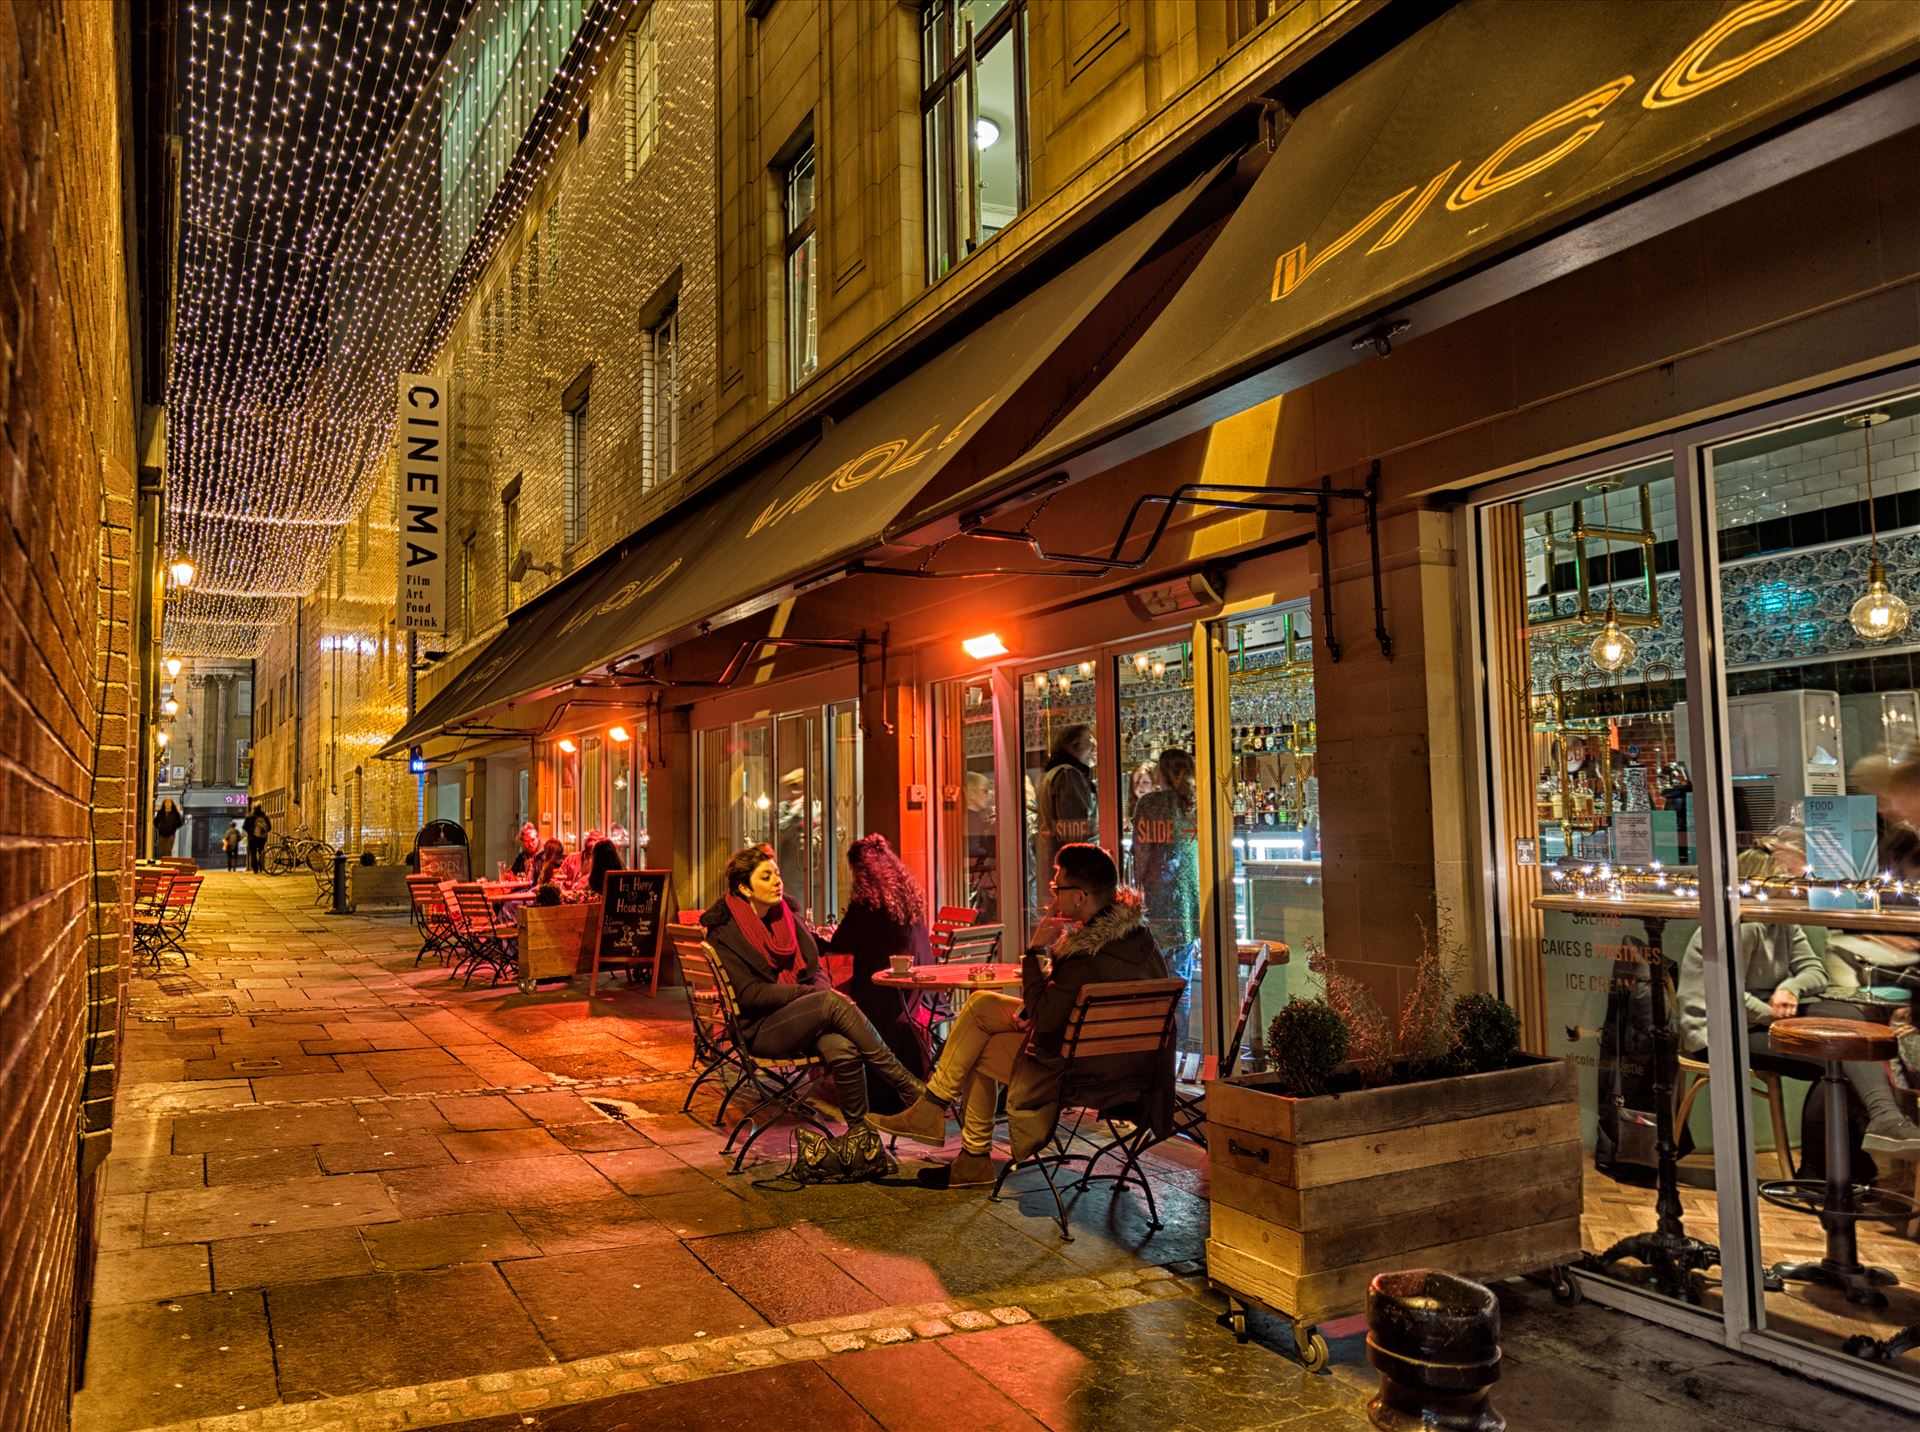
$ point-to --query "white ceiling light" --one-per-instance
(985, 132)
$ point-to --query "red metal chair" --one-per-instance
(150, 890)
(176, 913)
(432, 917)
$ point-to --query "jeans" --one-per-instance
(827, 1023)
(985, 1041)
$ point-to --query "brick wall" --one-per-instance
(66, 704)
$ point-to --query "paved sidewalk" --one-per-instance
(347, 1194)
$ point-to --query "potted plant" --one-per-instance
(1362, 1151)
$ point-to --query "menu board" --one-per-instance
(444, 862)
(633, 921)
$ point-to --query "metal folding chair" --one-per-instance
(715, 1056)
(1126, 1017)
(150, 890)
(484, 938)
(779, 1084)
(432, 918)
(1190, 1110)
(176, 913)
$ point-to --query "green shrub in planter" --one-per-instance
(1305, 1043)
(1486, 1032)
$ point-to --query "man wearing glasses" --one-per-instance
(1094, 934)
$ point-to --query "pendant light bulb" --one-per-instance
(1879, 615)
(1612, 650)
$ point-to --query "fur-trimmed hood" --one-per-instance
(1119, 920)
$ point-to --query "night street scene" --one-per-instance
(1006, 715)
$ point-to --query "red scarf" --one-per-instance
(778, 943)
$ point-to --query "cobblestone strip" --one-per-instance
(495, 1394)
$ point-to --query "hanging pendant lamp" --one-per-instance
(1879, 614)
(1612, 650)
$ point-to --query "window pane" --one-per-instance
(1057, 755)
(798, 812)
(996, 138)
(802, 318)
(566, 814)
(1160, 807)
(968, 838)
(590, 785)
(1822, 699)
(800, 190)
(940, 186)
(1593, 791)
(846, 807)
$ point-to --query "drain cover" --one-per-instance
(619, 1110)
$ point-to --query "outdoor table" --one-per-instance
(925, 980)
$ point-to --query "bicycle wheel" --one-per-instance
(278, 859)
(320, 858)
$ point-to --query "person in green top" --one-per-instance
(1166, 867)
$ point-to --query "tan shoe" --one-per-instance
(967, 1171)
(924, 1121)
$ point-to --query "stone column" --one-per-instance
(1393, 768)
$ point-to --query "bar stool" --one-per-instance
(1837, 1200)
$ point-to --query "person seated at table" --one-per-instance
(546, 868)
(606, 856)
(573, 870)
(786, 1009)
(529, 852)
(886, 916)
(1095, 934)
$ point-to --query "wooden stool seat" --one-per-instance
(1832, 1041)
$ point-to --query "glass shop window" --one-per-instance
(1057, 751)
(967, 833)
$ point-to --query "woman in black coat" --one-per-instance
(786, 1008)
(887, 916)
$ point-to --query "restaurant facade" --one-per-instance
(1431, 505)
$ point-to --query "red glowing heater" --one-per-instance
(984, 648)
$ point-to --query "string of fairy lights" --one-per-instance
(1603, 882)
(311, 271)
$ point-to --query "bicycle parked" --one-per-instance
(297, 850)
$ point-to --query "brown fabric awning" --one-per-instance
(1501, 124)
(745, 545)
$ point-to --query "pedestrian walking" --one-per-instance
(230, 843)
(166, 824)
(259, 827)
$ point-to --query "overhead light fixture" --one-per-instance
(1879, 614)
(980, 648)
(170, 707)
(765, 802)
(618, 733)
(161, 738)
(566, 744)
(1040, 680)
(1612, 649)
(182, 570)
(1140, 661)
(985, 133)
(173, 666)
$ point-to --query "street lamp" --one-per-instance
(170, 707)
(182, 570)
(173, 666)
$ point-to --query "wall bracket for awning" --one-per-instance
(1215, 495)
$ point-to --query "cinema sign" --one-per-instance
(422, 502)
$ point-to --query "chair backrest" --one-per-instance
(1249, 1002)
(1122, 1017)
(150, 890)
(706, 992)
(476, 911)
(949, 919)
(973, 945)
(181, 895)
(424, 893)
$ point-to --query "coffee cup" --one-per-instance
(903, 964)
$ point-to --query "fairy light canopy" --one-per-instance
(314, 262)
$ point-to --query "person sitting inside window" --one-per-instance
(786, 1009)
(1095, 934)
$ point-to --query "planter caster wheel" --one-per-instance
(526, 986)
(1565, 1288)
(1234, 1319)
(1311, 1346)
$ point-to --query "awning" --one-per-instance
(1501, 124)
(746, 545)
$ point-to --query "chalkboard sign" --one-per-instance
(633, 923)
(444, 862)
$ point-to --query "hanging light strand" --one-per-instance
(1879, 614)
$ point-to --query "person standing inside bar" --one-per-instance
(1166, 866)
(1064, 801)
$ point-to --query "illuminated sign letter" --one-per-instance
(1490, 178)
(1691, 75)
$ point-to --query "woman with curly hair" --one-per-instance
(886, 916)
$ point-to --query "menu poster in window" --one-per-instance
(1843, 843)
(633, 920)
(444, 862)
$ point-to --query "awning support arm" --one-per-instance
(1369, 493)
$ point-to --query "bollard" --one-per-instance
(1435, 1339)
(340, 883)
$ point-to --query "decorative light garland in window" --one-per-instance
(310, 273)
(1601, 883)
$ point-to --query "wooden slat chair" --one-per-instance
(1126, 1017)
(1190, 1110)
(715, 1055)
(176, 914)
(946, 920)
(779, 1083)
(433, 919)
(957, 940)
(150, 890)
(485, 939)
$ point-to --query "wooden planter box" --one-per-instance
(1477, 1175)
(556, 941)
